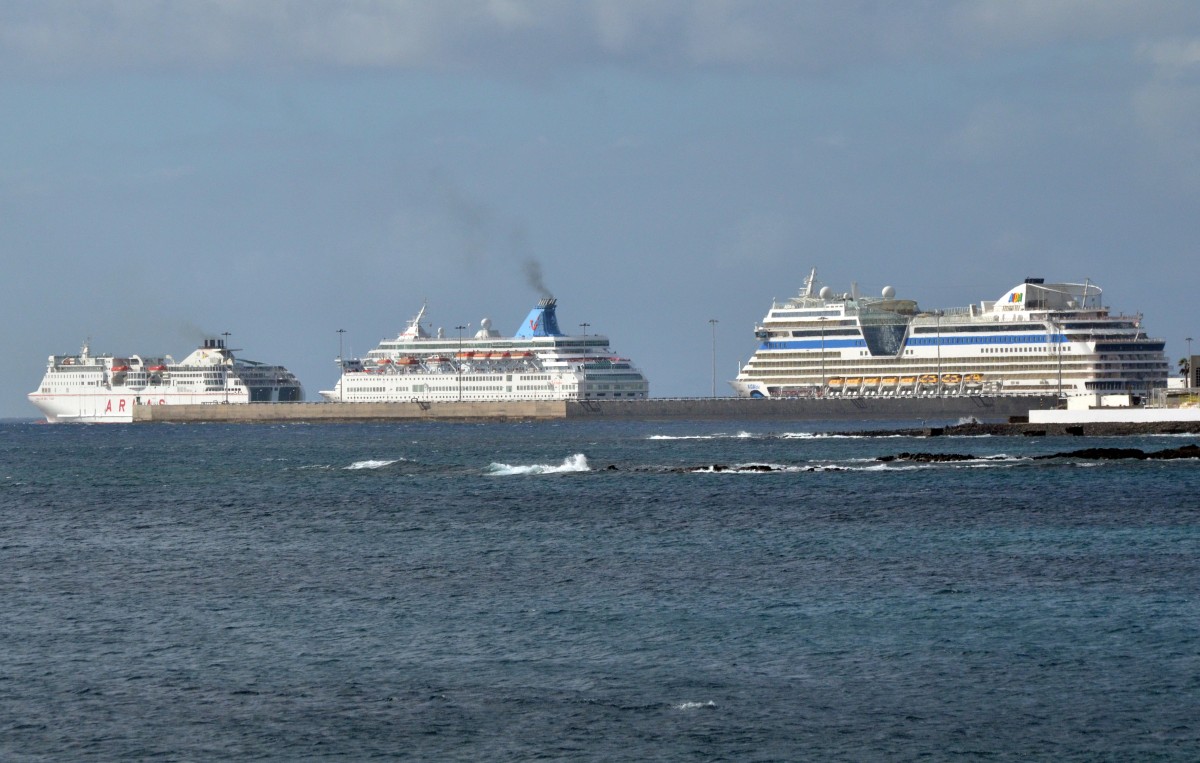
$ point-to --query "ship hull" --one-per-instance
(537, 363)
(97, 389)
(117, 407)
(1036, 339)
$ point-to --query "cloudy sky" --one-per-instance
(280, 169)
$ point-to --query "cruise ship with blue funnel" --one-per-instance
(538, 362)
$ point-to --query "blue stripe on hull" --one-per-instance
(953, 341)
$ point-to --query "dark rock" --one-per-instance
(929, 457)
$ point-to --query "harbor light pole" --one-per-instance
(1191, 372)
(938, 322)
(584, 326)
(1058, 345)
(822, 321)
(226, 379)
(341, 367)
(713, 322)
(459, 360)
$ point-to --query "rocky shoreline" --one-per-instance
(1190, 451)
(1025, 429)
(1090, 454)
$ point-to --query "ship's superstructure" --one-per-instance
(538, 362)
(1037, 339)
(104, 388)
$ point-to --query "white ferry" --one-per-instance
(538, 363)
(1037, 339)
(105, 388)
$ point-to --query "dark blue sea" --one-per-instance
(591, 591)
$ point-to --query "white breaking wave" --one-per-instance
(694, 705)
(372, 464)
(685, 436)
(575, 463)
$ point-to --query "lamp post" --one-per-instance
(341, 367)
(938, 323)
(584, 326)
(1058, 348)
(822, 321)
(713, 322)
(459, 360)
(226, 374)
(1191, 372)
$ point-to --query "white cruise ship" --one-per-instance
(105, 388)
(1037, 339)
(538, 363)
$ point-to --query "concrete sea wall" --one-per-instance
(848, 409)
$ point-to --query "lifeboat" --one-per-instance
(156, 369)
(120, 369)
(908, 381)
(951, 378)
(973, 378)
(407, 360)
(889, 380)
(928, 378)
(506, 355)
(384, 362)
(871, 380)
(439, 359)
(527, 354)
(853, 381)
(835, 381)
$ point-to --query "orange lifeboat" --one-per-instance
(929, 378)
(407, 360)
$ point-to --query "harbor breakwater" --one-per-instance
(946, 409)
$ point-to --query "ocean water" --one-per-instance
(591, 591)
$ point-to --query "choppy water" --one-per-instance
(498, 592)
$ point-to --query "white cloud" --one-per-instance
(495, 36)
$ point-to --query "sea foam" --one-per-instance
(575, 463)
(372, 464)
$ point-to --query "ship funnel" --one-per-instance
(541, 321)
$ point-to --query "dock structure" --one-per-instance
(982, 408)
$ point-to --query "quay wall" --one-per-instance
(1115, 416)
(983, 408)
(342, 412)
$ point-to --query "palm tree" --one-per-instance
(1185, 368)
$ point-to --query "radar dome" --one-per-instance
(826, 292)
(888, 292)
(485, 324)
